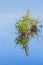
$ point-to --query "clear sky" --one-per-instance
(18, 7)
(9, 11)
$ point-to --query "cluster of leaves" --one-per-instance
(23, 42)
(27, 24)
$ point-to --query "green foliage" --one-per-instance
(22, 27)
(23, 42)
(27, 26)
(24, 24)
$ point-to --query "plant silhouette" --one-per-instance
(22, 41)
(27, 28)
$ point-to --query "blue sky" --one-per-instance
(18, 7)
(9, 11)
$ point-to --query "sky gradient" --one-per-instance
(10, 10)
